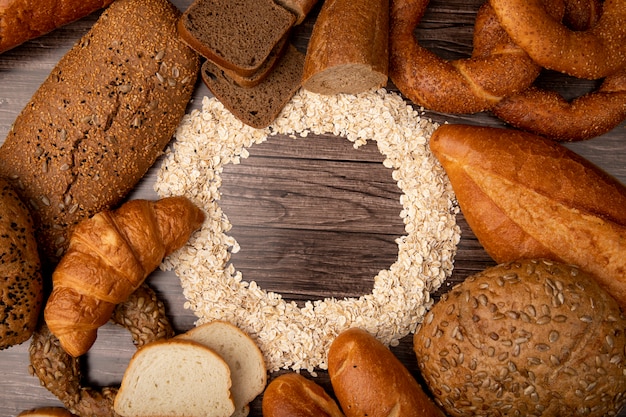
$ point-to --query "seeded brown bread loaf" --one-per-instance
(101, 118)
(525, 338)
(238, 35)
(348, 49)
(368, 379)
(300, 8)
(257, 106)
(22, 20)
(21, 288)
(293, 395)
(525, 196)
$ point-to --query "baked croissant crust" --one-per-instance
(109, 257)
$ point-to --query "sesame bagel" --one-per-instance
(496, 69)
(101, 118)
(525, 338)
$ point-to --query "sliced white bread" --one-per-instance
(247, 366)
(175, 377)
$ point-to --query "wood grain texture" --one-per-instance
(324, 217)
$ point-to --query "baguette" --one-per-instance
(22, 20)
(368, 379)
(109, 257)
(527, 197)
(348, 49)
(100, 119)
(293, 395)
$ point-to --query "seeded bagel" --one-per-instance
(525, 338)
(20, 270)
(101, 118)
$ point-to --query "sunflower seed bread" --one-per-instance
(21, 288)
(238, 35)
(525, 338)
(101, 118)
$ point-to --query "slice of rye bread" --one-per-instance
(257, 106)
(264, 70)
(238, 34)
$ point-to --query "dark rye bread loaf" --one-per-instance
(238, 35)
(257, 106)
(101, 118)
(20, 270)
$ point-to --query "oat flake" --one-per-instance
(291, 337)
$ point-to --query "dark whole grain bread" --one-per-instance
(300, 8)
(238, 35)
(257, 106)
(21, 288)
(101, 118)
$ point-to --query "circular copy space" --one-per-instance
(292, 336)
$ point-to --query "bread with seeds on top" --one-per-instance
(531, 337)
(100, 119)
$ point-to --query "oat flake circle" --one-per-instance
(289, 336)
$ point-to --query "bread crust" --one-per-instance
(100, 119)
(528, 197)
(369, 380)
(348, 58)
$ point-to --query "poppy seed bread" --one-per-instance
(257, 106)
(238, 35)
(525, 338)
(101, 118)
(21, 286)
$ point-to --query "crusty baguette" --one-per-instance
(300, 8)
(293, 395)
(100, 119)
(109, 257)
(528, 197)
(22, 20)
(348, 49)
(21, 285)
(369, 380)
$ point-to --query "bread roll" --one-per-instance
(41, 17)
(293, 395)
(46, 412)
(525, 196)
(525, 338)
(21, 287)
(348, 51)
(368, 379)
(101, 118)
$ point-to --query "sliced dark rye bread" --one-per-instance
(238, 35)
(257, 106)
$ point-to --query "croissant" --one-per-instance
(108, 258)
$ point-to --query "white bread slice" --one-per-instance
(175, 377)
(241, 353)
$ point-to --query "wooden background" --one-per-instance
(302, 241)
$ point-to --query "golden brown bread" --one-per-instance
(109, 257)
(293, 395)
(347, 57)
(592, 53)
(525, 338)
(21, 286)
(22, 20)
(46, 412)
(142, 314)
(368, 379)
(101, 118)
(525, 196)
(496, 69)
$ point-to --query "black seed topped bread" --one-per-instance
(238, 35)
(101, 118)
(525, 338)
(257, 106)
(20, 270)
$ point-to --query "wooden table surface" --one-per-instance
(335, 249)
